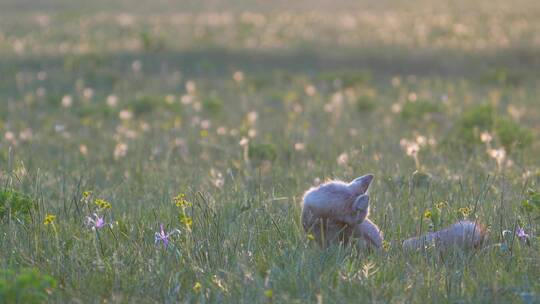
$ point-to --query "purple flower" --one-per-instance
(520, 233)
(162, 237)
(96, 222)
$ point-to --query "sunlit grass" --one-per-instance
(163, 157)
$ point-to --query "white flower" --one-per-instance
(67, 101)
(485, 137)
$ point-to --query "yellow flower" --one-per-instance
(197, 287)
(268, 293)
(311, 237)
(180, 201)
(465, 211)
(49, 219)
(386, 245)
(86, 194)
(427, 214)
(204, 133)
(441, 205)
(103, 204)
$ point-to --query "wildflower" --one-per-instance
(217, 178)
(86, 194)
(206, 124)
(311, 237)
(427, 214)
(221, 130)
(96, 222)
(103, 204)
(112, 101)
(412, 149)
(521, 234)
(386, 245)
(244, 142)
(180, 201)
(485, 137)
(120, 150)
(441, 205)
(49, 219)
(343, 159)
(396, 108)
(421, 140)
(465, 211)
(67, 101)
(299, 146)
(161, 236)
(125, 115)
(88, 93)
(252, 117)
(191, 87)
(26, 134)
(197, 287)
(310, 90)
(186, 99)
(238, 76)
(252, 133)
(498, 154)
(9, 136)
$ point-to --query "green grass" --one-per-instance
(242, 113)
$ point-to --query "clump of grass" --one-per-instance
(25, 286)
(259, 152)
(419, 110)
(421, 179)
(149, 104)
(15, 204)
(511, 135)
(472, 121)
(95, 110)
(531, 205)
(502, 76)
(151, 43)
(365, 104)
(145, 105)
(212, 105)
(346, 78)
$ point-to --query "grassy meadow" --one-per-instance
(212, 118)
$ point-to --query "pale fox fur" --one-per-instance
(462, 234)
(337, 212)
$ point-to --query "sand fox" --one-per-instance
(337, 211)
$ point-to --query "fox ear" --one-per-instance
(361, 184)
(361, 203)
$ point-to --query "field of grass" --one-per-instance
(212, 118)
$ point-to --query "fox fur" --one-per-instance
(338, 212)
(463, 234)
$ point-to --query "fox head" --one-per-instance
(335, 207)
